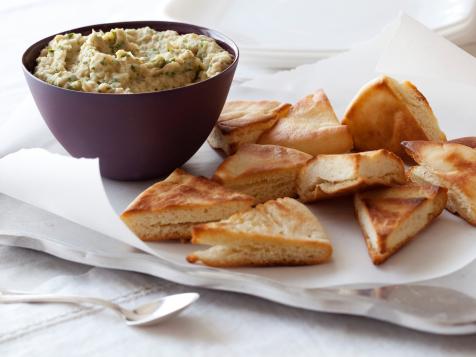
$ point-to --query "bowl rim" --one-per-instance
(224, 38)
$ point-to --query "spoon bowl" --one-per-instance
(160, 310)
(146, 314)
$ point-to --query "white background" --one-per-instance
(219, 324)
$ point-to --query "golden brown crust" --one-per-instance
(277, 224)
(220, 230)
(314, 141)
(467, 140)
(391, 208)
(443, 157)
(387, 213)
(295, 216)
(253, 159)
(356, 185)
(324, 247)
(387, 210)
(379, 118)
(421, 98)
(310, 194)
(310, 126)
(243, 122)
(453, 166)
(378, 259)
(242, 113)
(315, 106)
(457, 193)
(181, 189)
(183, 238)
(192, 258)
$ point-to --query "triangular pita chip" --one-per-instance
(278, 232)
(169, 208)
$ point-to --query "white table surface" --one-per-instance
(218, 324)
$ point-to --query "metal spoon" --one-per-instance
(143, 315)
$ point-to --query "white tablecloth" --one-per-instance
(218, 324)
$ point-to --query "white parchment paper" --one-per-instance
(73, 189)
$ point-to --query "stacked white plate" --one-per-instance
(287, 33)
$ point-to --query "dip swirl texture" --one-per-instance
(130, 60)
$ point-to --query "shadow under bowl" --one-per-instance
(135, 136)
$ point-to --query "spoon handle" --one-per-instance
(77, 300)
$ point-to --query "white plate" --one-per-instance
(285, 33)
(404, 305)
(306, 287)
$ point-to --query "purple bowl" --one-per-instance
(135, 136)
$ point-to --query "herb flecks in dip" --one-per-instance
(130, 60)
